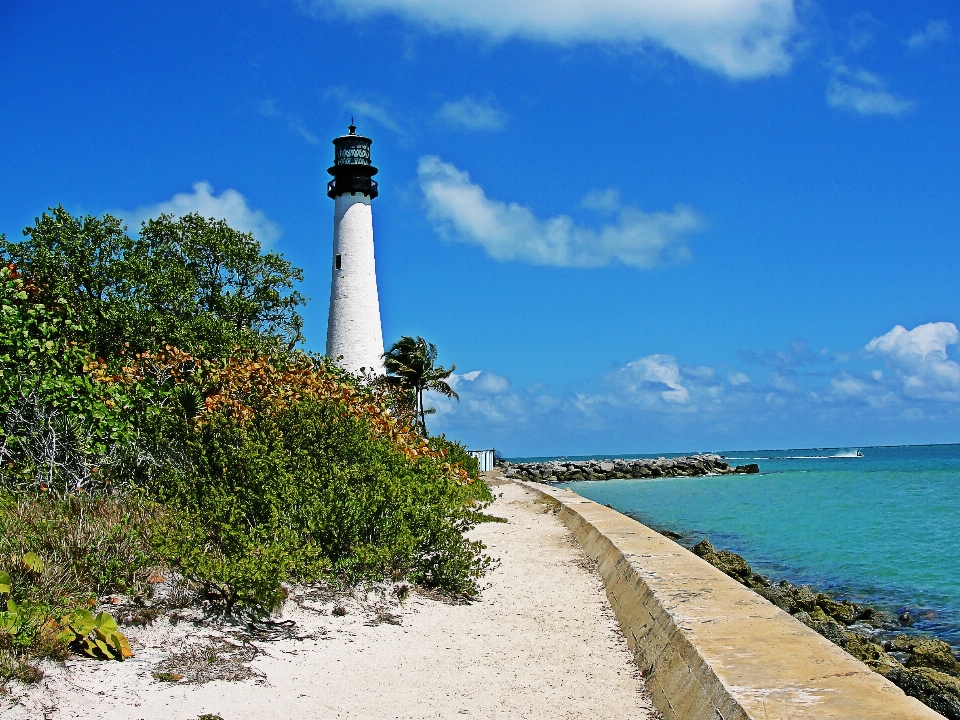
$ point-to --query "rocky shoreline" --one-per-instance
(923, 666)
(555, 471)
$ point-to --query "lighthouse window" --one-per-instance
(338, 262)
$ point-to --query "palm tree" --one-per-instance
(410, 364)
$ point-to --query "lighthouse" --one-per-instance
(354, 334)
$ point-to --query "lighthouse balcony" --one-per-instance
(352, 184)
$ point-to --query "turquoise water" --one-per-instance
(883, 529)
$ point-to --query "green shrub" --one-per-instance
(189, 281)
(313, 492)
(457, 454)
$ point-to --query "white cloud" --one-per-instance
(863, 92)
(268, 108)
(737, 38)
(848, 385)
(738, 378)
(366, 108)
(919, 357)
(602, 200)
(480, 381)
(655, 374)
(229, 205)
(473, 114)
(484, 396)
(936, 31)
(508, 231)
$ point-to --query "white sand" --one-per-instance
(540, 643)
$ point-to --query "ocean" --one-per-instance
(882, 529)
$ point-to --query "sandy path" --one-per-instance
(541, 643)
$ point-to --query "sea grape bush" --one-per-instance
(60, 425)
(97, 636)
(289, 472)
(29, 630)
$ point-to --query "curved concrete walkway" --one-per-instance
(541, 643)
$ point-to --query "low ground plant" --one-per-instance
(90, 546)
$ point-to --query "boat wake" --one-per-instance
(837, 456)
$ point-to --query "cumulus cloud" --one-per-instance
(936, 31)
(658, 375)
(507, 231)
(268, 108)
(229, 205)
(486, 396)
(863, 92)
(919, 357)
(737, 38)
(471, 114)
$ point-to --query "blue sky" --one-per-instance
(635, 226)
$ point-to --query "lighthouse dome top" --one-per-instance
(351, 169)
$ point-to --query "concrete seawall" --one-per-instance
(710, 648)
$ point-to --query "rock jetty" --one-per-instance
(570, 470)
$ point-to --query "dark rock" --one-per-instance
(734, 565)
(939, 691)
(843, 612)
(905, 618)
(779, 597)
(936, 654)
(947, 704)
(670, 534)
(805, 598)
(901, 643)
(819, 615)
(870, 653)
(703, 548)
(756, 581)
(724, 560)
(568, 471)
(831, 630)
(878, 618)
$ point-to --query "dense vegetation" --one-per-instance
(157, 416)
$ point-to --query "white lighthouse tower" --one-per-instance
(354, 334)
